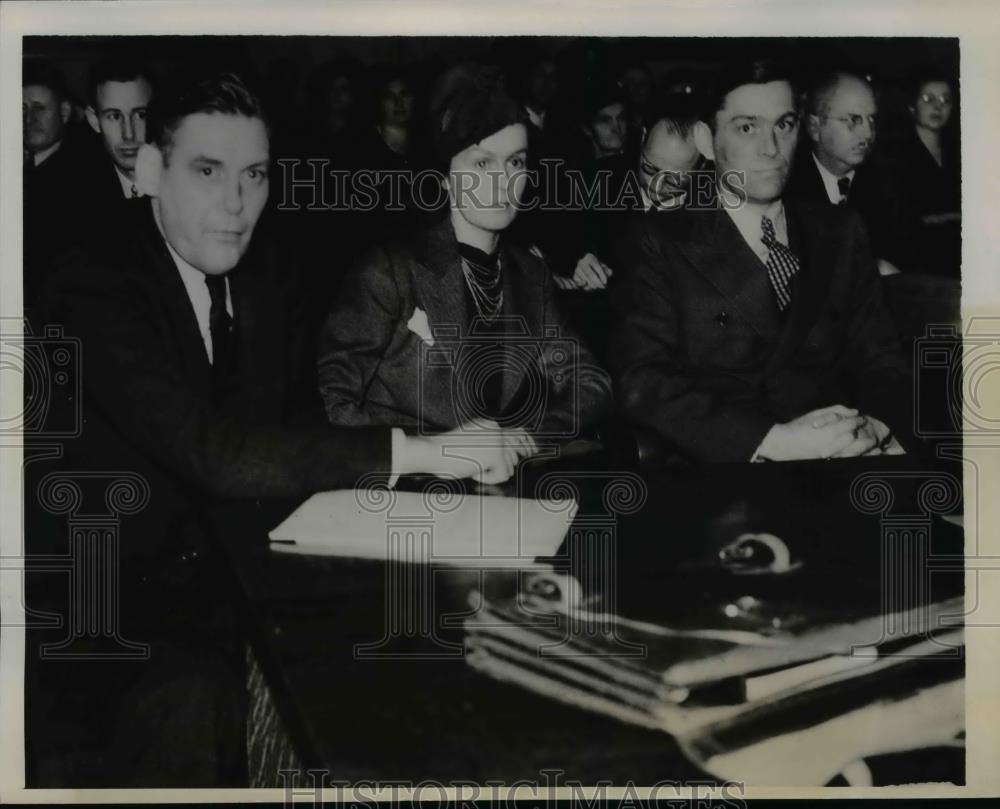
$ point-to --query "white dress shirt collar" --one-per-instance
(126, 184)
(830, 180)
(45, 154)
(201, 300)
(537, 118)
(748, 222)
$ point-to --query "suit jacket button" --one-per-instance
(722, 318)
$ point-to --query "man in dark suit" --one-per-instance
(195, 376)
(756, 330)
(120, 93)
(837, 164)
(51, 177)
(660, 177)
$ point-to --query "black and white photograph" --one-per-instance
(409, 408)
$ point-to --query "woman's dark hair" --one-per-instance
(469, 103)
(924, 75)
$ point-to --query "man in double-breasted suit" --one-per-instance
(755, 330)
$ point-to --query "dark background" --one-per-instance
(286, 61)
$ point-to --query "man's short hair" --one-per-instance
(678, 112)
(598, 93)
(821, 90)
(116, 69)
(738, 74)
(224, 93)
(39, 73)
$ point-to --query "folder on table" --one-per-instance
(440, 526)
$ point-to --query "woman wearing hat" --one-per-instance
(458, 325)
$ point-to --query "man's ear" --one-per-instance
(148, 168)
(65, 110)
(812, 127)
(703, 140)
(92, 119)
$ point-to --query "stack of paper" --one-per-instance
(440, 527)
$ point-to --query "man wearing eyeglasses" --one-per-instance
(661, 180)
(841, 124)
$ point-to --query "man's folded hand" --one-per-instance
(829, 432)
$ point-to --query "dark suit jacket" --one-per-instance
(874, 194)
(148, 392)
(52, 195)
(701, 357)
(104, 190)
(932, 189)
(375, 369)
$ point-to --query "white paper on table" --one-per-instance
(443, 527)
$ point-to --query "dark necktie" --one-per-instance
(782, 264)
(844, 187)
(220, 324)
(135, 192)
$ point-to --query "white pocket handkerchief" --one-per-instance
(419, 326)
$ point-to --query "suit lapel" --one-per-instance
(439, 281)
(718, 251)
(816, 252)
(806, 181)
(817, 188)
(168, 278)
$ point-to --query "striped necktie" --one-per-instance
(782, 264)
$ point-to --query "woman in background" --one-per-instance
(930, 172)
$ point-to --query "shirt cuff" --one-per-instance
(398, 437)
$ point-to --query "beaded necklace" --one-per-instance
(486, 285)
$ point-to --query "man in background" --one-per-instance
(52, 172)
(661, 181)
(837, 164)
(120, 93)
